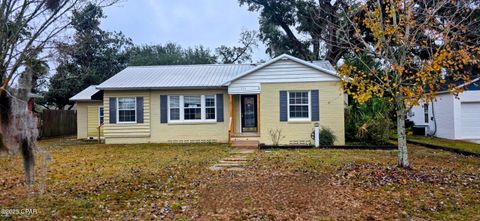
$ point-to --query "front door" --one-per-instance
(249, 113)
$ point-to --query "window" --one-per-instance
(174, 104)
(126, 110)
(191, 108)
(425, 112)
(299, 105)
(210, 107)
(100, 115)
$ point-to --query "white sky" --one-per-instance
(210, 23)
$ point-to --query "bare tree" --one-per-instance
(26, 26)
(242, 53)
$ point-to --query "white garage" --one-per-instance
(470, 120)
(451, 117)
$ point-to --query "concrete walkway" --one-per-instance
(236, 161)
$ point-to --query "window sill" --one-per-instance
(127, 122)
(299, 121)
(191, 122)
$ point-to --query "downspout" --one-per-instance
(434, 119)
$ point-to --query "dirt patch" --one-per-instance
(280, 196)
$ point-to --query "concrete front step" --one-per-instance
(249, 144)
(234, 139)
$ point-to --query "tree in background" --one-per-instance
(418, 44)
(241, 54)
(94, 56)
(38, 68)
(169, 54)
(306, 29)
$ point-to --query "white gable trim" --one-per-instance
(282, 57)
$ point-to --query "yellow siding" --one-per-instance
(331, 116)
(153, 131)
(87, 119)
(191, 132)
(94, 121)
(331, 112)
(82, 116)
(127, 132)
(237, 113)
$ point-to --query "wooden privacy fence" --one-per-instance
(54, 123)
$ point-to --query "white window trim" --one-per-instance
(99, 122)
(295, 119)
(118, 111)
(182, 110)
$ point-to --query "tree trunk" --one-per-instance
(28, 160)
(402, 138)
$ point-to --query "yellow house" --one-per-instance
(245, 105)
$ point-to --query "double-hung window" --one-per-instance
(174, 102)
(209, 107)
(100, 115)
(127, 110)
(299, 105)
(191, 108)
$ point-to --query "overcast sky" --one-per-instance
(210, 23)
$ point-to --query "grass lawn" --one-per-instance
(454, 144)
(151, 181)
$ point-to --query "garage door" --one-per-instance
(470, 124)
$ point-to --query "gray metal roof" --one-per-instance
(324, 64)
(86, 94)
(174, 76)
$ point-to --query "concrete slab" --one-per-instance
(236, 169)
(235, 162)
(231, 162)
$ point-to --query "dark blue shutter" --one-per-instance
(315, 107)
(112, 110)
(219, 104)
(163, 109)
(140, 110)
(283, 106)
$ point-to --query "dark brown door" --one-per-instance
(249, 113)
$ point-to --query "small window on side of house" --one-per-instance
(127, 110)
(425, 111)
(298, 105)
(100, 115)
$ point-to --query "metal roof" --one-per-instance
(86, 94)
(174, 76)
(323, 64)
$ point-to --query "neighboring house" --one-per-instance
(451, 117)
(221, 103)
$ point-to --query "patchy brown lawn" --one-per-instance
(347, 185)
(151, 181)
